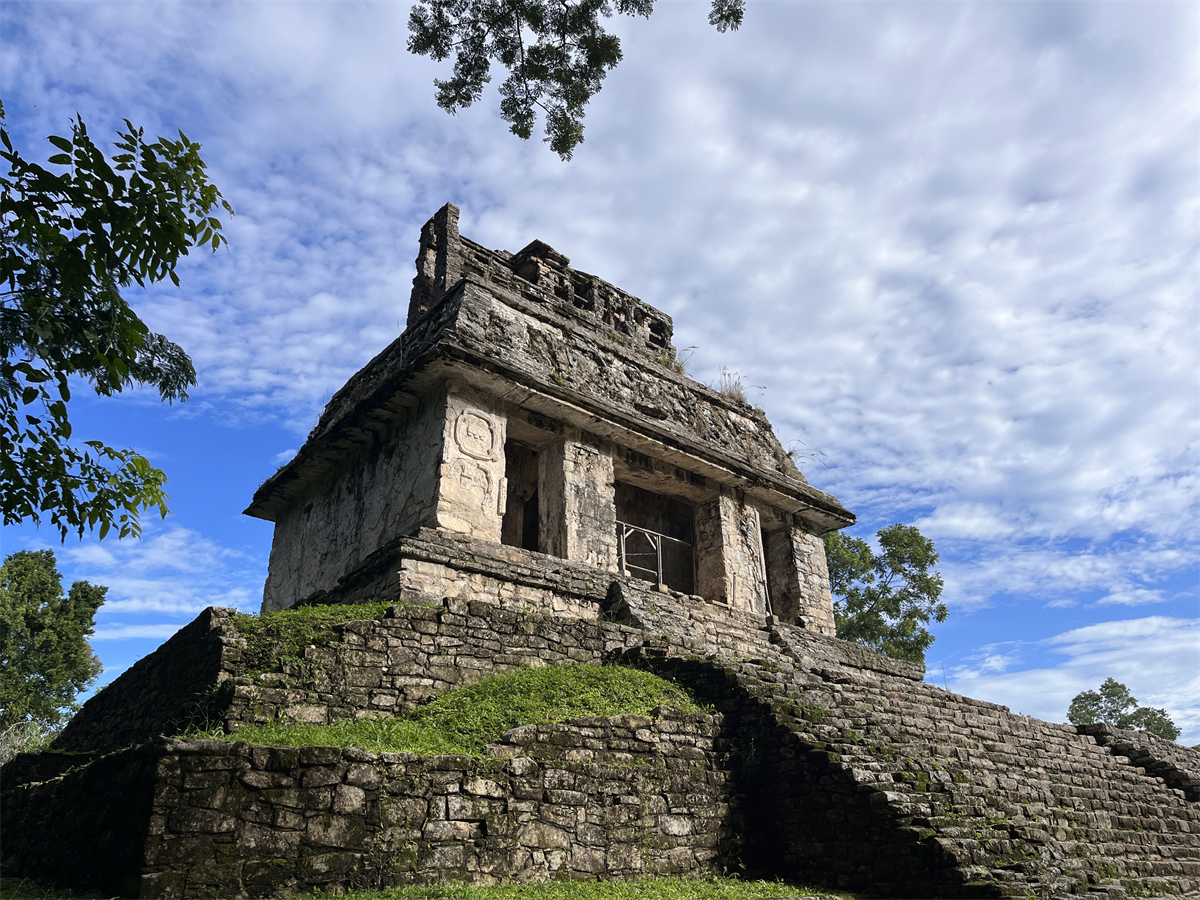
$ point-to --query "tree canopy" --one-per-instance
(70, 240)
(884, 600)
(1114, 705)
(556, 52)
(45, 659)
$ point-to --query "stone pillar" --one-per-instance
(729, 555)
(799, 579)
(577, 503)
(439, 262)
(815, 606)
(471, 487)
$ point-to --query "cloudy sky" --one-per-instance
(952, 247)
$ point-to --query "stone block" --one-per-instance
(334, 831)
(543, 835)
(349, 800)
(320, 776)
(444, 831)
(200, 821)
(262, 841)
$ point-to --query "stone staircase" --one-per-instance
(979, 801)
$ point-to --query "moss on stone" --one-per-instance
(278, 639)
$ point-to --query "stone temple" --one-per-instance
(529, 408)
(526, 477)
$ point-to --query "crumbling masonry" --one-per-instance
(528, 478)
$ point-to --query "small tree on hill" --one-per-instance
(1115, 706)
(884, 600)
(45, 659)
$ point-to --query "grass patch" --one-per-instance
(28, 889)
(710, 887)
(731, 385)
(466, 719)
(279, 637)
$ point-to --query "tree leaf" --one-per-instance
(78, 238)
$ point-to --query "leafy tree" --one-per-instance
(556, 53)
(884, 600)
(69, 242)
(45, 660)
(1114, 705)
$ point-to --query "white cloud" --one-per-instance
(956, 242)
(1157, 657)
(171, 570)
(125, 632)
(1128, 595)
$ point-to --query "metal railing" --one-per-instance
(644, 546)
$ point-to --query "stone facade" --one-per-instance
(833, 765)
(620, 797)
(518, 378)
(380, 494)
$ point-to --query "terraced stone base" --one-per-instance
(621, 797)
(828, 763)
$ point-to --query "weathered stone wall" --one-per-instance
(506, 608)
(175, 687)
(387, 488)
(899, 788)
(434, 579)
(77, 819)
(806, 599)
(855, 773)
(472, 490)
(595, 798)
(506, 575)
(383, 667)
(1177, 766)
(599, 372)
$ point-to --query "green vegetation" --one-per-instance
(467, 719)
(70, 242)
(556, 54)
(45, 659)
(277, 638)
(28, 889)
(1119, 708)
(710, 887)
(884, 600)
(675, 888)
(25, 737)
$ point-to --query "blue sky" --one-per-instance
(955, 243)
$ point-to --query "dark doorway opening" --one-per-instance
(780, 565)
(655, 537)
(519, 527)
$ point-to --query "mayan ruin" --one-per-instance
(526, 477)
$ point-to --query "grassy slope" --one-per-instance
(673, 888)
(466, 719)
(709, 887)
